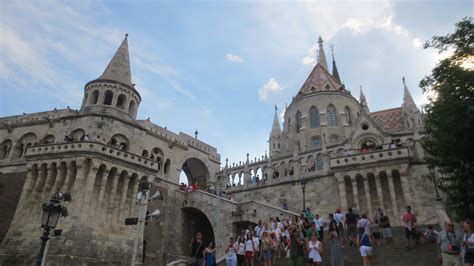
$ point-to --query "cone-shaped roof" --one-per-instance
(322, 55)
(362, 98)
(407, 99)
(119, 67)
(335, 73)
(276, 130)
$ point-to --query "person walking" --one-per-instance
(449, 246)
(231, 251)
(365, 246)
(409, 219)
(197, 248)
(387, 230)
(351, 222)
(468, 243)
(337, 258)
(315, 250)
(296, 248)
(210, 254)
(266, 249)
(249, 249)
(241, 248)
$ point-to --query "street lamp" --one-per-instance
(142, 198)
(303, 188)
(51, 213)
(433, 177)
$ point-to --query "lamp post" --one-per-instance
(433, 176)
(51, 213)
(142, 198)
(303, 188)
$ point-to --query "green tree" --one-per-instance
(449, 123)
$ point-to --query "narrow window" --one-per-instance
(316, 142)
(109, 95)
(348, 113)
(332, 116)
(121, 101)
(314, 114)
(95, 97)
(298, 121)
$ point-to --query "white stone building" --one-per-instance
(330, 142)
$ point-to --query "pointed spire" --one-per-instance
(322, 57)
(362, 99)
(276, 130)
(119, 67)
(335, 73)
(407, 99)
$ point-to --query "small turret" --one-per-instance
(363, 101)
(113, 92)
(335, 73)
(275, 135)
(411, 114)
(322, 56)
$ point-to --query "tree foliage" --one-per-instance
(449, 123)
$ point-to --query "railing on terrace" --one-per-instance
(370, 157)
(91, 147)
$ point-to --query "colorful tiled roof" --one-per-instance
(390, 119)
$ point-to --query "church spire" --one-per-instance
(407, 99)
(276, 130)
(335, 73)
(322, 57)
(119, 67)
(363, 101)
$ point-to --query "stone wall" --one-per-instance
(10, 191)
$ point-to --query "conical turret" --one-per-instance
(113, 93)
(118, 68)
(335, 73)
(411, 114)
(363, 100)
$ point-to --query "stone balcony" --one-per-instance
(90, 148)
(370, 157)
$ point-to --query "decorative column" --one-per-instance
(367, 194)
(406, 189)
(393, 199)
(61, 177)
(133, 202)
(31, 179)
(355, 192)
(342, 192)
(83, 185)
(103, 183)
(379, 191)
(71, 171)
(123, 198)
(52, 174)
(111, 204)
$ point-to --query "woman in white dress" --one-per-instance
(315, 250)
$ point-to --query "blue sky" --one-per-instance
(216, 66)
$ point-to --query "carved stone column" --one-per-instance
(111, 205)
(367, 194)
(393, 199)
(355, 192)
(379, 191)
(47, 188)
(123, 197)
(342, 192)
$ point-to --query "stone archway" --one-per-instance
(196, 171)
(194, 221)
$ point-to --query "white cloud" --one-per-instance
(270, 87)
(310, 58)
(234, 58)
(417, 43)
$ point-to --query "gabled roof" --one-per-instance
(390, 119)
(119, 67)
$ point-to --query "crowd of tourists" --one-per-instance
(300, 240)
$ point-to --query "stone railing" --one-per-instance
(93, 148)
(371, 157)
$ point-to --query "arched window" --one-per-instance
(316, 142)
(348, 113)
(145, 153)
(332, 116)
(319, 162)
(109, 95)
(298, 118)
(121, 101)
(314, 114)
(333, 139)
(94, 97)
(131, 108)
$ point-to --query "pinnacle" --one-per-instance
(118, 68)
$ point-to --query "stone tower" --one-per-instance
(113, 92)
(275, 136)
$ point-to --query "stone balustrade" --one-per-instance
(371, 157)
(91, 147)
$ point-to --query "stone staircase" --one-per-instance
(396, 255)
